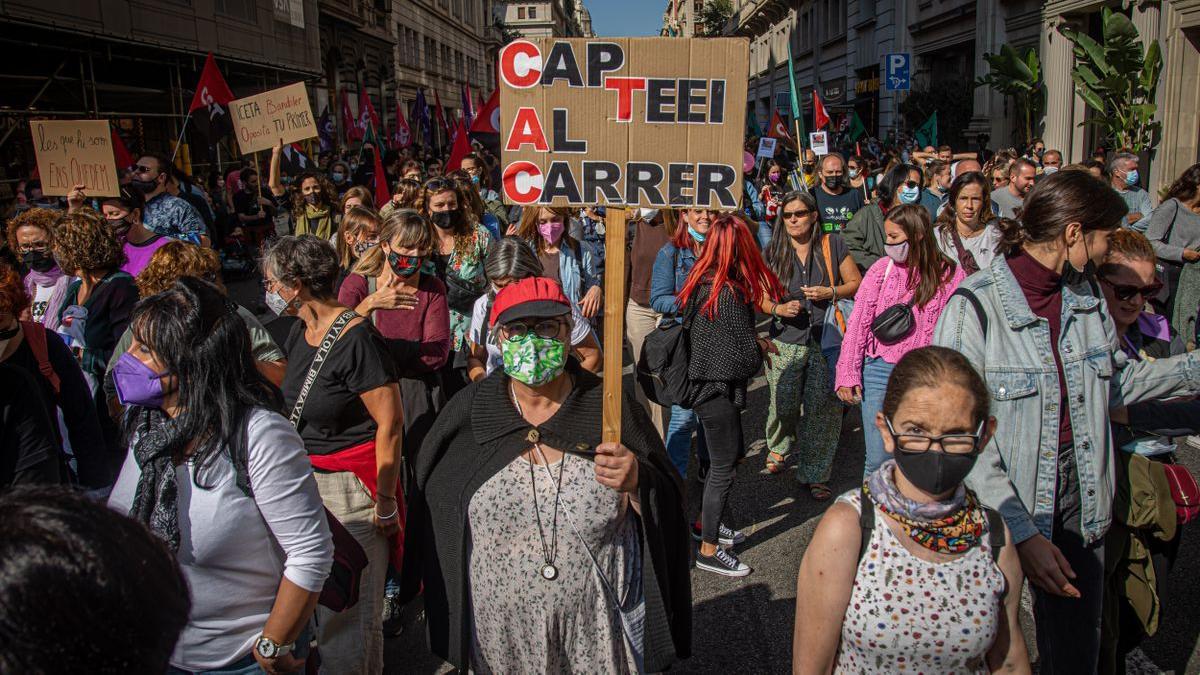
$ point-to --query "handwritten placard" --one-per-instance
(260, 121)
(75, 152)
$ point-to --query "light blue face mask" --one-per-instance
(1131, 178)
(909, 195)
(696, 235)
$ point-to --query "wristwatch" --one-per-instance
(270, 649)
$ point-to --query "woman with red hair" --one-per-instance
(727, 282)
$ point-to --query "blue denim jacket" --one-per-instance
(670, 273)
(578, 276)
(1017, 470)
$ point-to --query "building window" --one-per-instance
(246, 10)
(469, 13)
(533, 12)
(804, 35)
(520, 12)
(835, 19)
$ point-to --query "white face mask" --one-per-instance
(276, 303)
(648, 214)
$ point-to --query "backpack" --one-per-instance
(866, 522)
(662, 370)
(35, 335)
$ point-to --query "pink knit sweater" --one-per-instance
(875, 295)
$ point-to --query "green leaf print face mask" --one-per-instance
(533, 359)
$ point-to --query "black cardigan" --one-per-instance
(477, 434)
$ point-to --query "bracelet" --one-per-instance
(833, 290)
(395, 512)
(774, 308)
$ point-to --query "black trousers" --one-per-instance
(722, 424)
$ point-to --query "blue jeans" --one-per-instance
(764, 234)
(679, 438)
(874, 383)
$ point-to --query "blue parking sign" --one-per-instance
(897, 69)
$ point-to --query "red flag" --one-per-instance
(124, 159)
(462, 146)
(778, 128)
(440, 115)
(367, 119)
(212, 87)
(820, 116)
(382, 194)
(487, 121)
(401, 135)
(350, 128)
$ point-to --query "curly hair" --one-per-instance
(83, 241)
(328, 193)
(174, 261)
(14, 299)
(43, 219)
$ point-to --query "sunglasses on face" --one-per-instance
(35, 246)
(547, 328)
(1128, 291)
(799, 213)
(911, 184)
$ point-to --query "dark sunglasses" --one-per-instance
(141, 168)
(788, 215)
(1128, 291)
(911, 184)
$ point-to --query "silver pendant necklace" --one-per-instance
(549, 553)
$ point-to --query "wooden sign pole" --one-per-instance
(614, 322)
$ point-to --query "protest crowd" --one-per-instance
(409, 411)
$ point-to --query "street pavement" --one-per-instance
(745, 625)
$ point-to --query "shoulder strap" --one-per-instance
(965, 257)
(372, 286)
(866, 520)
(829, 271)
(35, 335)
(335, 331)
(974, 301)
(996, 536)
(1171, 227)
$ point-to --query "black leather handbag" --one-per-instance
(894, 323)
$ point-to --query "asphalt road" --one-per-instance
(745, 625)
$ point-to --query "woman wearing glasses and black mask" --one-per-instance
(535, 538)
(459, 252)
(910, 570)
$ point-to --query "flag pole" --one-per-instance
(178, 141)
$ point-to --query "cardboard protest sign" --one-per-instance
(654, 122)
(260, 121)
(766, 147)
(819, 142)
(75, 152)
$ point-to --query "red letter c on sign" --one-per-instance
(520, 64)
(523, 182)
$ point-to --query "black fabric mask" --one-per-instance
(312, 198)
(1072, 276)
(38, 261)
(934, 472)
(447, 220)
(144, 186)
(833, 183)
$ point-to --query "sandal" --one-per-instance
(776, 463)
(820, 491)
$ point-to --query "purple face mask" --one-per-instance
(136, 383)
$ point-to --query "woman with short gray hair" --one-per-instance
(511, 259)
(341, 393)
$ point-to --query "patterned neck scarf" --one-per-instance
(952, 526)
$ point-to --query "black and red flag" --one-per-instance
(486, 127)
(210, 104)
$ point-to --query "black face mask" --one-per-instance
(1072, 276)
(144, 186)
(38, 261)
(833, 183)
(447, 220)
(312, 198)
(934, 472)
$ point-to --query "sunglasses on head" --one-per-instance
(1128, 291)
(439, 185)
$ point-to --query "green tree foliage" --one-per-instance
(1019, 75)
(712, 18)
(1118, 80)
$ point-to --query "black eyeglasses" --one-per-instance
(788, 215)
(142, 168)
(954, 444)
(34, 246)
(547, 328)
(1128, 291)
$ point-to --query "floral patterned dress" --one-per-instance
(908, 615)
(468, 270)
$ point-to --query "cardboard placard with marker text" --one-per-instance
(260, 121)
(75, 152)
(653, 122)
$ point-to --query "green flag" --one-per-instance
(796, 112)
(752, 128)
(927, 133)
(857, 128)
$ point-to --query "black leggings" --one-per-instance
(723, 432)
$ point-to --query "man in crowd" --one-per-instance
(1021, 175)
(835, 203)
(808, 169)
(1051, 162)
(165, 213)
(252, 206)
(1123, 172)
(964, 166)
